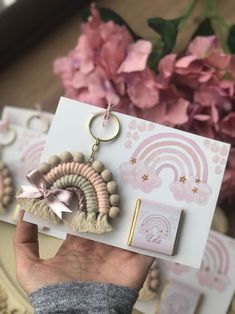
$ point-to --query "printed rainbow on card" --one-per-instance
(215, 264)
(176, 153)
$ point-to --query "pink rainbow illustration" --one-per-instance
(33, 152)
(178, 145)
(214, 271)
(177, 153)
(161, 223)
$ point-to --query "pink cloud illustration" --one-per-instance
(139, 176)
(189, 191)
(212, 279)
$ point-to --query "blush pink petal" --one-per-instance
(177, 113)
(137, 55)
(201, 117)
(142, 89)
(155, 114)
(201, 45)
(85, 55)
(184, 62)
(166, 65)
(227, 125)
(218, 59)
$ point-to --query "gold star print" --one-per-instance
(183, 179)
(133, 161)
(145, 177)
(198, 180)
(195, 190)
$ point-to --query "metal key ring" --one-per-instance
(11, 131)
(38, 117)
(112, 116)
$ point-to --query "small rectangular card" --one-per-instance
(179, 298)
(155, 226)
(147, 161)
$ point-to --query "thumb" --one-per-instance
(26, 244)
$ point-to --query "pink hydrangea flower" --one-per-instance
(193, 91)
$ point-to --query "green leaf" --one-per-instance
(168, 30)
(231, 39)
(109, 15)
(204, 28)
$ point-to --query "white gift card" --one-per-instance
(20, 157)
(215, 279)
(148, 161)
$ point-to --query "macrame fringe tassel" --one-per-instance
(90, 223)
(40, 209)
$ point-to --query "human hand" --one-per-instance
(77, 260)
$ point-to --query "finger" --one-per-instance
(26, 240)
(75, 243)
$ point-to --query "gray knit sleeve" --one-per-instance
(83, 298)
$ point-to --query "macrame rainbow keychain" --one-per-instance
(55, 183)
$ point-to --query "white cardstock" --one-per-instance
(215, 279)
(20, 116)
(148, 161)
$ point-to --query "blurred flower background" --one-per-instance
(192, 90)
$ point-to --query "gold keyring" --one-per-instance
(117, 122)
(12, 138)
(38, 117)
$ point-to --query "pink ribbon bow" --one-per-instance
(56, 199)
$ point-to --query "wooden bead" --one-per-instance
(106, 175)
(154, 273)
(78, 157)
(6, 200)
(112, 187)
(8, 190)
(113, 212)
(2, 165)
(66, 157)
(114, 199)
(44, 167)
(98, 166)
(7, 181)
(154, 284)
(5, 172)
(54, 160)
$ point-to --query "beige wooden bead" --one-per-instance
(154, 284)
(112, 187)
(106, 175)
(54, 160)
(114, 211)
(66, 157)
(98, 166)
(5, 172)
(8, 190)
(2, 165)
(114, 199)
(7, 181)
(44, 167)
(78, 157)
(6, 200)
(154, 273)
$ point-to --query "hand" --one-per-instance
(77, 260)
